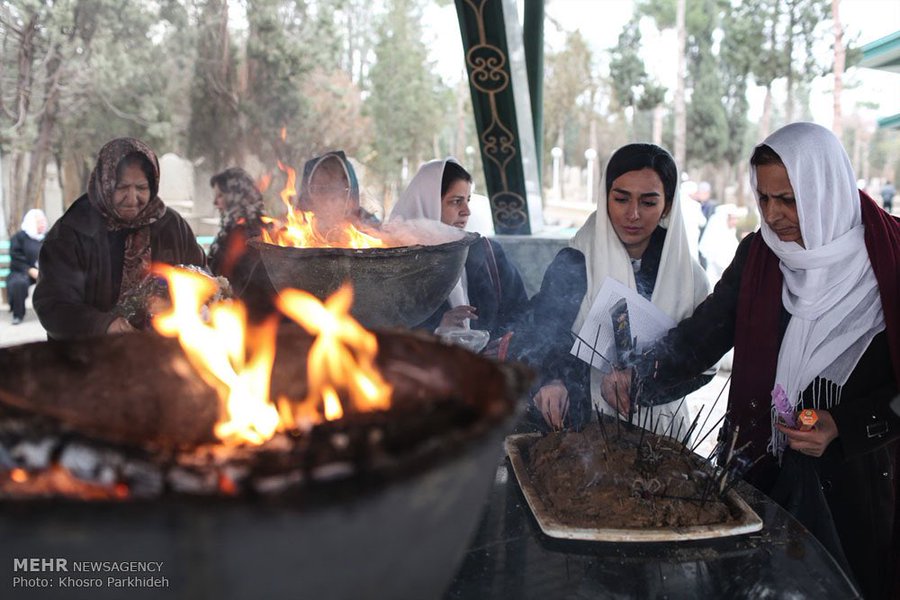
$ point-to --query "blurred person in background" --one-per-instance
(330, 190)
(240, 205)
(719, 241)
(887, 196)
(24, 248)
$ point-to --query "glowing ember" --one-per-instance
(236, 358)
(18, 475)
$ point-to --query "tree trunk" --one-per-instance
(765, 123)
(40, 154)
(658, 113)
(840, 57)
(789, 51)
(680, 112)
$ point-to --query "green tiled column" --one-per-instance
(498, 80)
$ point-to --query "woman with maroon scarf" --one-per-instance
(95, 261)
(811, 305)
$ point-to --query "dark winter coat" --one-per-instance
(495, 290)
(75, 294)
(856, 473)
(544, 340)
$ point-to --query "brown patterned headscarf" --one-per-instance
(244, 207)
(101, 190)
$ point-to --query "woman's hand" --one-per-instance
(33, 272)
(120, 325)
(457, 316)
(816, 440)
(616, 390)
(553, 402)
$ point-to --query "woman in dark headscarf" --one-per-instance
(330, 190)
(95, 260)
(241, 208)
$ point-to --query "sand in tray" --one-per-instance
(588, 480)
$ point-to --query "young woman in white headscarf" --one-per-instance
(490, 294)
(636, 237)
(24, 248)
(811, 305)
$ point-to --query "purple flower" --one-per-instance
(783, 406)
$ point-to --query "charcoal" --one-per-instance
(276, 484)
(144, 479)
(331, 471)
(34, 454)
(187, 481)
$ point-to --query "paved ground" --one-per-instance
(29, 330)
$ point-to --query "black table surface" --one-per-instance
(510, 557)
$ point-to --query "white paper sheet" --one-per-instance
(648, 324)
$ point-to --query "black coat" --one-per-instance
(23, 253)
(242, 265)
(495, 290)
(75, 294)
(857, 470)
(544, 339)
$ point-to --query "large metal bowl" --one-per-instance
(391, 286)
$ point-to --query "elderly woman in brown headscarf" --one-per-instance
(95, 261)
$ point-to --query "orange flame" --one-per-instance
(342, 357)
(236, 359)
(219, 352)
(19, 475)
(263, 182)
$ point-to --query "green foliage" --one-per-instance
(405, 96)
(707, 126)
(569, 88)
(214, 130)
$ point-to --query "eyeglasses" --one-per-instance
(328, 190)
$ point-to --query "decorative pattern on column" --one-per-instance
(484, 37)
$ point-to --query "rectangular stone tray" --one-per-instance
(515, 445)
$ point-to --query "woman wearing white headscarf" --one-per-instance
(490, 293)
(637, 238)
(24, 248)
(719, 241)
(811, 305)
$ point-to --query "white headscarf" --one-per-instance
(30, 221)
(422, 200)
(719, 242)
(829, 287)
(681, 284)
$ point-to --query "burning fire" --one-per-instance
(300, 229)
(236, 358)
(341, 357)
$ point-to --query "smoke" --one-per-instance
(418, 232)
